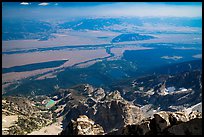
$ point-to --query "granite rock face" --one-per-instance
(83, 126)
(192, 127)
(161, 121)
(166, 123)
(162, 124)
(110, 110)
(117, 113)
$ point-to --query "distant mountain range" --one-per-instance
(90, 24)
(26, 29)
(21, 29)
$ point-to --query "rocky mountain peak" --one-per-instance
(84, 89)
(111, 107)
(165, 123)
(115, 95)
(98, 94)
(83, 126)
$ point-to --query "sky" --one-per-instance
(98, 9)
